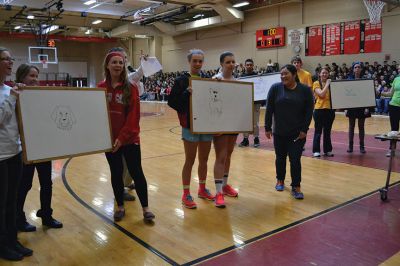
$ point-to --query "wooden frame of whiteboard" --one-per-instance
(224, 81)
(352, 80)
(53, 88)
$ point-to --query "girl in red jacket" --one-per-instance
(124, 108)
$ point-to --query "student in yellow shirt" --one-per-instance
(304, 76)
(323, 114)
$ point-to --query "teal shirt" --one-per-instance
(396, 95)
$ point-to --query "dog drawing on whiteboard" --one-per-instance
(215, 103)
(63, 117)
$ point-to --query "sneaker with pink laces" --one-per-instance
(205, 194)
(188, 202)
(229, 191)
(219, 200)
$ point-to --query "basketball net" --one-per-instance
(6, 2)
(374, 8)
(44, 64)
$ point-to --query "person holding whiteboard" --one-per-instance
(249, 67)
(28, 75)
(124, 107)
(179, 101)
(10, 163)
(290, 103)
(225, 143)
(357, 113)
(323, 114)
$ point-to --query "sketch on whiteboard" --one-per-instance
(350, 92)
(215, 103)
(63, 117)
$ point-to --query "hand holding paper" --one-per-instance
(150, 66)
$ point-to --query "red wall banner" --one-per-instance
(352, 37)
(372, 37)
(314, 38)
(332, 39)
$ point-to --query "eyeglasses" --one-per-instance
(9, 59)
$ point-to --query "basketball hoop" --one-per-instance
(374, 8)
(44, 64)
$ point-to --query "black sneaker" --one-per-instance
(51, 222)
(8, 253)
(244, 143)
(128, 197)
(24, 226)
(24, 251)
(256, 142)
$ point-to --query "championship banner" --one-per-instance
(352, 37)
(332, 39)
(372, 37)
(314, 41)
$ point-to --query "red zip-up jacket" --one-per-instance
(124, 120)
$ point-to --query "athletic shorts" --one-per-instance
(188, 136)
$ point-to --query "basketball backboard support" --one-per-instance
(38, 55)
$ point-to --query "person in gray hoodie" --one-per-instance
(10, 163)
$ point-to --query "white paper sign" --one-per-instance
(150, 66)
(296, 37)
(262, 84)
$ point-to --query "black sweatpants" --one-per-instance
(46, 189)
(323, 119)
(286, 146)
(10, 175)
(394, 114)
(133, 159)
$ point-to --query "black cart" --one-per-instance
(393, 141)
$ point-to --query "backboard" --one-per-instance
(39, 54)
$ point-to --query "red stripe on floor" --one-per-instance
(366, 232)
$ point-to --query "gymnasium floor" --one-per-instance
(341, 221)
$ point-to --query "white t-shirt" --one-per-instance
(10, 144)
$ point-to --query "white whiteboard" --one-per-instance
(352, 93)
(262, 84)
(57, 122)
(221, 106)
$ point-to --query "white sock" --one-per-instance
(225, 180)
(218, 185)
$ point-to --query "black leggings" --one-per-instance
(394, 114)
(361, 129)
(133, 159)
(46, 188)
(323, 123)
(10, 175)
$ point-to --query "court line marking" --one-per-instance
(111, 222)
(283, 228)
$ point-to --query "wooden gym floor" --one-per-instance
(83, 201)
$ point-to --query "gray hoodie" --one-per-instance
(10, 144)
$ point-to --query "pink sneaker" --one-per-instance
(188, 202)
(219, 200)
(229, 191)
(205, 194)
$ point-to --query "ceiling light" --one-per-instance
(96, 5)
(198, 15)
(30, 17)
(17, 27)
(88, 3)
(141, 36)
(97, 21)
(245, 3)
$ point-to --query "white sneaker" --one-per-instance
(328, 154)
(316, 154)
